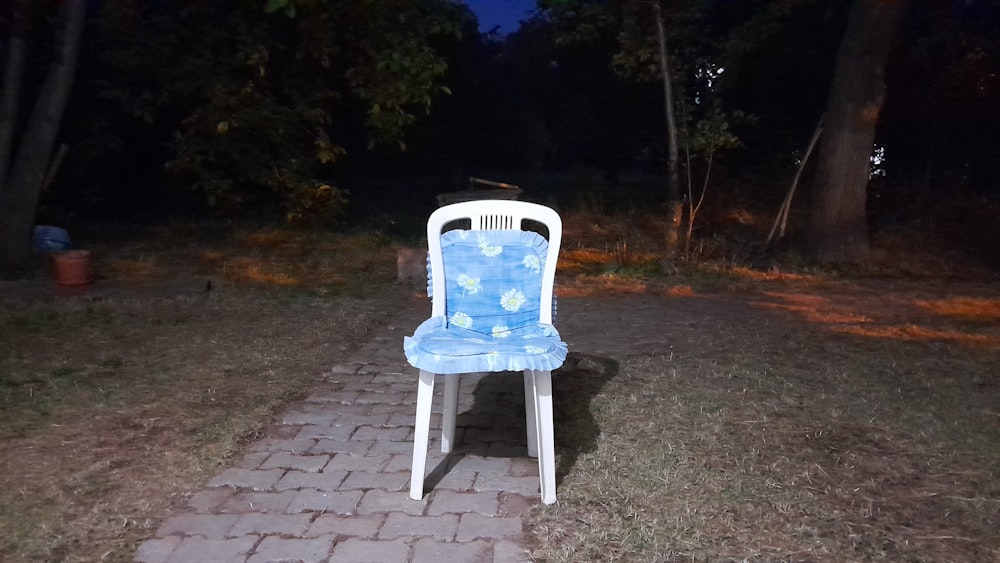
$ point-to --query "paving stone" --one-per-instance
(325, 481)
(478, 464)
(300, 446)
(401, 462)
(201, 550)
(366, 387)
(371, 480)
(365, 527)
(265, 524)
(311, 500)
(382, 398)
(429, 551)
(397, 377)
(329, 432)
(251, 460)
(157, 550)
(377, 500)
(516, 437)
(243, 501)
(330, 396)
(340, 409)
(208, 525)
(209, 500)
(407, 388)
(331, 483)
(370, 551)
(408, 419)
(442, 528)
(318, 417)
(347, 462)
(507, 484)
(273, 549)
(443, 502)
(510, 552)
(455, 482)
(392, 434)
(476, 526)
(405, 447)
(364, 419)
(481, 422)
(258, 480)
(377, 408)
(506, 449)
(357, 448)
(285, 460)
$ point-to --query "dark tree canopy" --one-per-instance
(288, 109)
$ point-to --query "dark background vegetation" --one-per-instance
(155, 79)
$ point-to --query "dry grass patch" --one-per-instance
(756, 434)
(120, 401)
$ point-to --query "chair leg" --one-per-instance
(450, 412)
(546, 437)
(421, 431)
(529, 413)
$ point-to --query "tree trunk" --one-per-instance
(838, 231)
(675, 206)
(19, 198)
(13, 78)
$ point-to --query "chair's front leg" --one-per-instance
(421, 431)
(546, 436)
(449, 412)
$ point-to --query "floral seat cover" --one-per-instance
(493, 292)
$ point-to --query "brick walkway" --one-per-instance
(331, 483)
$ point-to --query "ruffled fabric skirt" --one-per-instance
(439, 347)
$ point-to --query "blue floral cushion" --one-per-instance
(493, 291)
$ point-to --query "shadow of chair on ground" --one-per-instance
(491, 420)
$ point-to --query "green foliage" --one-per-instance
(271, 94)
(712, 133)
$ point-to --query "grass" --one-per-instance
(758, 431)
(118, 402)
(776, 414)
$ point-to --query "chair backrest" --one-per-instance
(494, 215)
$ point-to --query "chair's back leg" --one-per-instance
(529, 414)
(449, 411)
(546, 438)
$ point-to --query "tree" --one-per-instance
(295, 85)
(675, 45)
(838, 229)
(20, 192)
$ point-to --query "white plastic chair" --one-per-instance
(496, 245)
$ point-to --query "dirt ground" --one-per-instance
(121, 399)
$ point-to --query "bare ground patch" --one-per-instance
(773, 416)
(119, 400)
(856, 422)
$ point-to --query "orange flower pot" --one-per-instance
(72, 267)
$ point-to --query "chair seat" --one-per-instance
(439, 347)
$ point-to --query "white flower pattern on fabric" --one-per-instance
(469, 285)
(534, 349)
(500, 331)
(512, 299)
(532, 263)
(488, 249)
(462, 320)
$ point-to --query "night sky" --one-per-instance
(505, 13)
